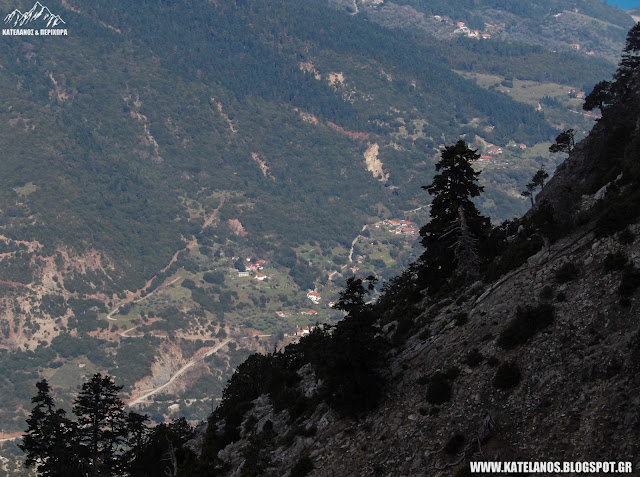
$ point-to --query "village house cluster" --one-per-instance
(492, 151)
(572, 93)
(255, 267)
(462, 28)
(399, 227)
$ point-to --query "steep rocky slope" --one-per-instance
(577, 398)
(540, 364)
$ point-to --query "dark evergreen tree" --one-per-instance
(351, 362)
(600, 97)
(528, 192)
(539, 178)
(162, 451)
(629, 62)
(103, 427)
(48, 443)
(537, 181)
(455, 234)
(352, 298)
(565, 142)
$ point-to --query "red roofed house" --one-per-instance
(314, 296)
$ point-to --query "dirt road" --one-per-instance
(178, 373)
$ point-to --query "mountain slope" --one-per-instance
(575, 387)
(537, 362)
(159, 145)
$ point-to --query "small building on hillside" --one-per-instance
(314, 296)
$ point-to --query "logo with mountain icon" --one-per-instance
(39, 21)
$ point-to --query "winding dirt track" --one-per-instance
(178, 373)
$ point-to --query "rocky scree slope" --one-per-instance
(541, 364)
(576, 397)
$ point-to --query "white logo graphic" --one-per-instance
(39, 15)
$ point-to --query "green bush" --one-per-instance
(619, 209)
(546, 293)
(216, 277)
(515, 255)
(614, 261)
(405, 325)
(460, 318)
(566, 273)
(454, 444)
(527, 322)
(474, 358)
(302, 467)
(507, 376)
(439, 389)
(630, 281)
(452, 373)
(626, 237)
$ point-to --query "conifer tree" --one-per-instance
(537, 181)
(565, 142)
(48, 443)
(600, 97)
(630, 60)
(103, 427)
(606, 94)
(453, 237)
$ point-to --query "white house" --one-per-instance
(314, 296)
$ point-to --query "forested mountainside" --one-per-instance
(532, 358)
(593, 28)
(523, 346)
(160, 151)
